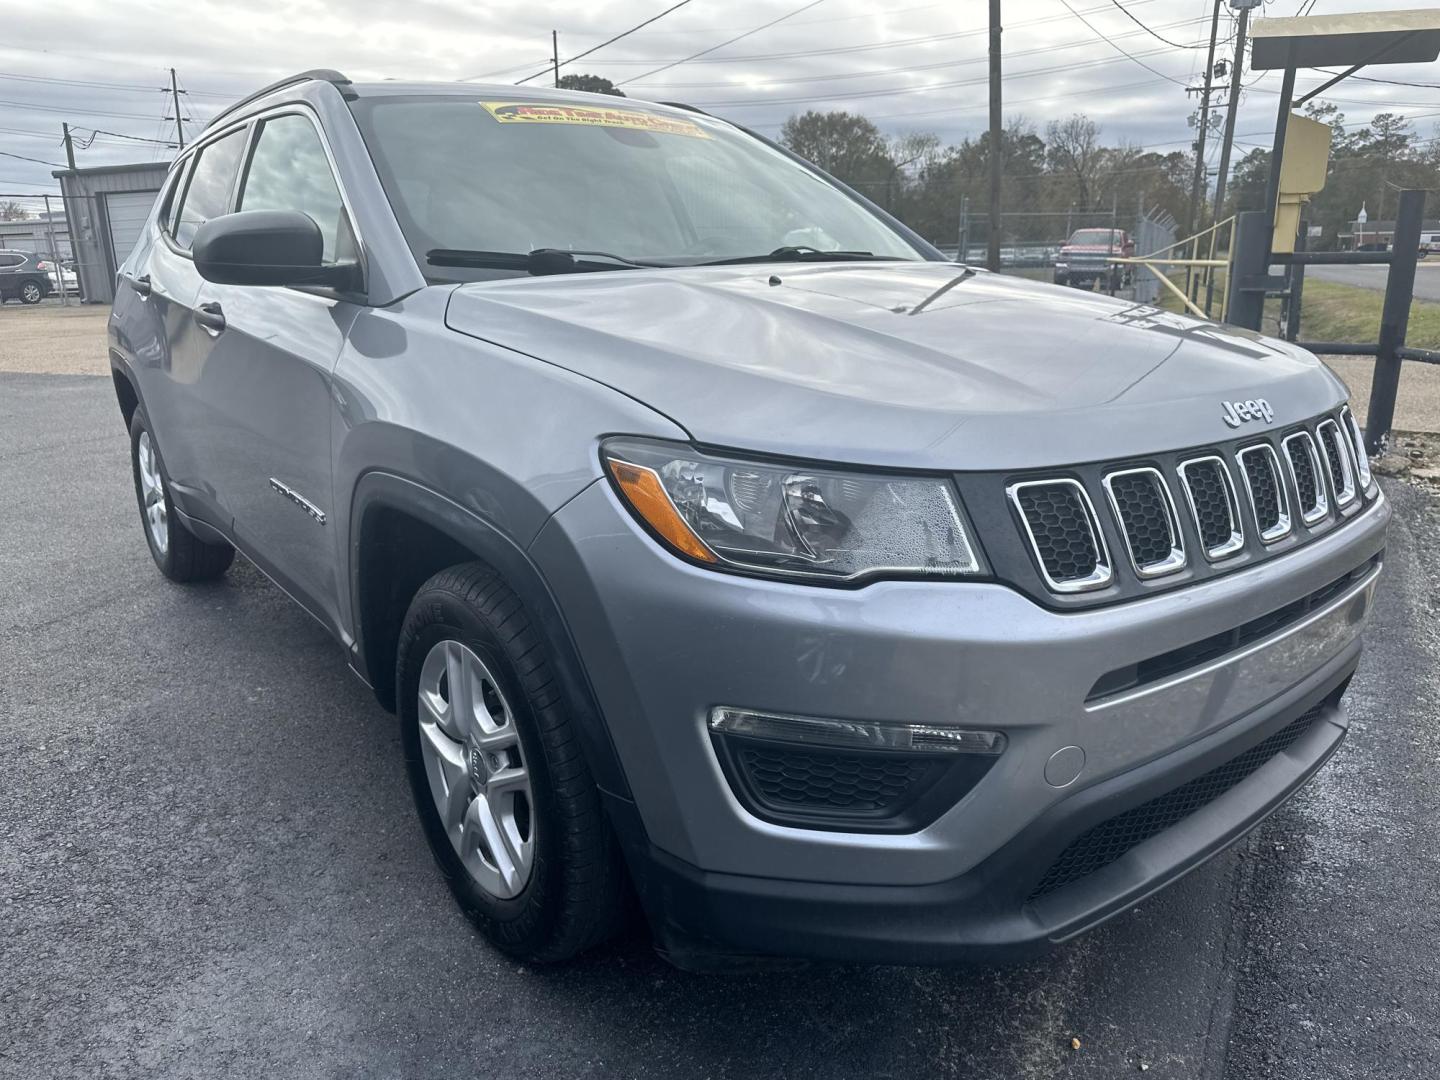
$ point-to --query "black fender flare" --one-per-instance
(380, 490)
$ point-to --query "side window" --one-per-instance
(208, 193)
(289, 171)
(11, 260)
(169, 218)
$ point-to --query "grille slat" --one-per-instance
(1111, 840)
(1337, 459)
(1141, 501)
(1213, 505)
(1064, 533)
(1261, 470)
(1304, 462)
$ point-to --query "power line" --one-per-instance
(1152, 33)
(728, 41)
(1117, 48)
(36, 160)
(893, 91)
(871, 46)
(730, 84)
(609, 41)
(84, 112)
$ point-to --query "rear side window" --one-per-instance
(12, 260)
(290, 171)
(208, 193)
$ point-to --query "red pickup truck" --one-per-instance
(1085, 258)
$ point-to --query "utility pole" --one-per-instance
(1197, 186)
(992, 255)
(175, 96)
(555, 54)
(69, 146)
(1237, 69)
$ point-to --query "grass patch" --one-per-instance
(1331, 311)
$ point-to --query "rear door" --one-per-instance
(10, 264)
(176, 394)
(266, 385)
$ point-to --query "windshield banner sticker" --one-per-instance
(514, 112)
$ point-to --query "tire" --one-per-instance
(179, 554)
(572, 895)
(31, 293)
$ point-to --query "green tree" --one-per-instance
(848, 147)
(593, 84)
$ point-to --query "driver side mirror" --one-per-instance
(268, 247)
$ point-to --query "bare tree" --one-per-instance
(1073, 147)
(13, 211)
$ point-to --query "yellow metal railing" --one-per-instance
(1200, 272)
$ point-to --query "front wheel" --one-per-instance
(508, 806)
(178, 553)
(30, 293)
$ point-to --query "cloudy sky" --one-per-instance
(909, 65)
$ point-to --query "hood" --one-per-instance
(922, 365)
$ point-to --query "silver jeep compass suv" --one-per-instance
(715, 540)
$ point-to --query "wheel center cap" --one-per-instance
(479, 769)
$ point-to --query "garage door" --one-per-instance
(127, 213)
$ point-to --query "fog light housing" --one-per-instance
(848, 775)
(856, 734)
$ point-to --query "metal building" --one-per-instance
(107, 207)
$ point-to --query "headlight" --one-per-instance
(791, 521)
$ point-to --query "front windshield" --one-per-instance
(504, 176)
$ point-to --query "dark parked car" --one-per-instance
(721, 544)
(24, 276)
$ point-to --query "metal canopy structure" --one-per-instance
(1370, 37)
(1355, 40)
(1352, 41)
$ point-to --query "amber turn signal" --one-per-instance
(646, 495)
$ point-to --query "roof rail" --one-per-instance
(320, 74)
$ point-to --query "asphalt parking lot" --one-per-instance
(209, 865)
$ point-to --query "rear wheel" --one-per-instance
(31, 293)
(180, 554)
(507, 803)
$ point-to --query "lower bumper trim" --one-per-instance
(997, 910)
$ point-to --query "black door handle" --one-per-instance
(141, 284)
(210, 317)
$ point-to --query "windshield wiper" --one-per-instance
(538, 262)
(804, 253)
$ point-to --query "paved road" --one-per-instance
(209, 866)
(1427, 277)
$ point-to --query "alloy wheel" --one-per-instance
(476, 768)
(30, 292)
(152, 490)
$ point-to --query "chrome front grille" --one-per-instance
(1064, 533)
(1268, 502)
(1141, 501)
(1337, 457)
(1304, 462)
(1214, 506)
(1235, 503)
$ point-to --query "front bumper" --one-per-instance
(663, 642)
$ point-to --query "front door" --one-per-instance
(266, 388)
